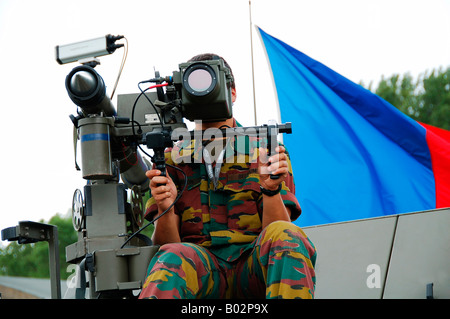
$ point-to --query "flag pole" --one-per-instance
(277, 103)
(253, 66)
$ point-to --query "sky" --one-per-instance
(361, 40)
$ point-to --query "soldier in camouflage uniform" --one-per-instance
(230, 233)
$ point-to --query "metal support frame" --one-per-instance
(28, 232)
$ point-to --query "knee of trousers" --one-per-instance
(185, 270)
(175, 254)
(179, 249)
(292, 237)
(280, 229)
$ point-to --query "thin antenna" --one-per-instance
(253, 67)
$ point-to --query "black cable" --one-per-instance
(163, 213)
(139, 125)
(134, 121)
(132, 111)
(151, 103)
(142, 150)
(134, 107)
(134, 135)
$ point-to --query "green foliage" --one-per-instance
(426, 99)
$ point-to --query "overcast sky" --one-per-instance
(362, 40)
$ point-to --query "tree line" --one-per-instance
(425, 99)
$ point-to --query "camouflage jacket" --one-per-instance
(225, 217)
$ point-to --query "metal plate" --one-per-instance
(78, 210)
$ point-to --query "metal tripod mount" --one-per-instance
(102, 215)
(116, 263)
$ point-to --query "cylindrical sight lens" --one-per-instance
(199, 79)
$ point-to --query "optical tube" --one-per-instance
(87, 89)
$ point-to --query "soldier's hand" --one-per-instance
(276, 164)
(162, 188)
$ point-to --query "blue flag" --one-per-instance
(353, 154)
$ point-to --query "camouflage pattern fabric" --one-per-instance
(223, 222)
(280, 265)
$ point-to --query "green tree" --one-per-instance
(437, 99)
(426, 99)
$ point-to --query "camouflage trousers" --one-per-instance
(280, 265)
